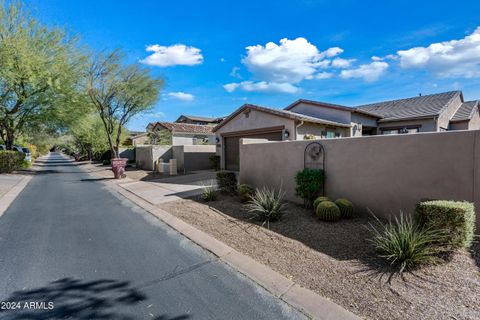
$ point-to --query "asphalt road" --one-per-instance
(70, 248)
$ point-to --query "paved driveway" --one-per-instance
(82, 252)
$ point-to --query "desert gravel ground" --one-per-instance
(337, 261)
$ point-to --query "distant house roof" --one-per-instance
(136, 133)
(199, 118)
(466, 111)
(281, 113)
(410, 108)
(331, 106)
(185, 127)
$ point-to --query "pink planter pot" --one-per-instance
(118, 167)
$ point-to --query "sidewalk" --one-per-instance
(10, 187)
(160, 190)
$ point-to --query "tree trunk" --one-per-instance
(9, 140)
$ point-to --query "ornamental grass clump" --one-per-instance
(267, 205)
(405, 244)
(209, 194)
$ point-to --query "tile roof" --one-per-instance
(416, 107)
(331, 106)
(200, 118)
(281, 113)
(465, 112)
(186, 127)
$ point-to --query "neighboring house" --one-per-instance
(172, 133)
(306, 119)
(252, 121)
(198, 120)
(135, 138)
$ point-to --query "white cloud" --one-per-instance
(332, 52)
(235, 73)
(342, 63)
(454, 58)
(290, 61)
(178, 54)
(324, 75)
(279, 67)
(262, 86)
(369, 72)
(181, 96)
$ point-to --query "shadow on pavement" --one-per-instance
(77, 299)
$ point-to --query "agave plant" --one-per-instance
(266, 205)
(405, 244)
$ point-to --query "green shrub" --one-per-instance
(267, 205)
(406, 244)
(309, 183)
(456, 217)
(106, 162)
(245, 192)
(328, 211)
(11, 160)
(319, 200)
(227, 181)
(209, 194)
(214, 162)
(346, 207)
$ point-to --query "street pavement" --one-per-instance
(70, 248)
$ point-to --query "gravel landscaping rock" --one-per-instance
(337, 261)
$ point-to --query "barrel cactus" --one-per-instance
(328, 211)
(346, 207)
(318, 200)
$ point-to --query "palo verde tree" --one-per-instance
(119, 92)
(38, 66)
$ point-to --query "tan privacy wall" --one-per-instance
(191, 158)
(147, 155)
(386, 174)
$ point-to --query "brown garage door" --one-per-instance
(232, 147)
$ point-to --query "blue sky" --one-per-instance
(217, 55)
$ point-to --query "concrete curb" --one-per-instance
(300, 298)
(7, 199)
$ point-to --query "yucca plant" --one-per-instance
(209, 194)
(405, 244)
(267, 205)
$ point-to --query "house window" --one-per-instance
(330, 134)
(400, 131)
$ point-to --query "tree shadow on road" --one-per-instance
(77, 299)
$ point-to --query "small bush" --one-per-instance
(405, 244)
(456, 217)
(214, 162)
(318, 201)
(106, 162)
(309, 183)
(209, 194)
(245, 192)
(11, 160)
(346, 207)
(227, 181)
(328, 211)
(267, 205)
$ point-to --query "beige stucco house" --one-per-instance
(177, 134)
(306, 119)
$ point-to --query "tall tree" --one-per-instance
(120, 92)
(38, 67)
